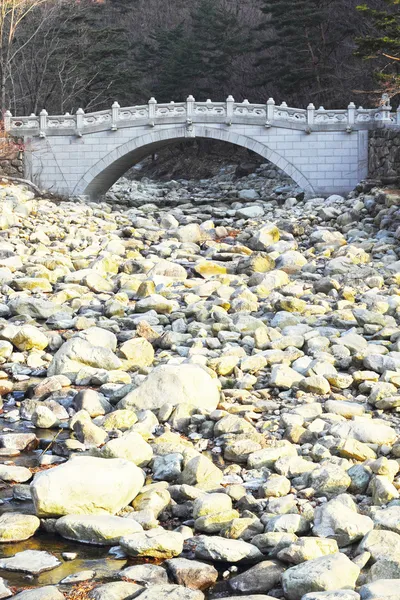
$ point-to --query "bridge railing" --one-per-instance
(190, 112)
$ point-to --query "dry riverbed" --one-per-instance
(200, 393)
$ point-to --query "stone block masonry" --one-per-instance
(384, 155)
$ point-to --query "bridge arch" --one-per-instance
(105, 172)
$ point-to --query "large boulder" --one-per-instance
(86, 485)
(76, 354)
(174, 384)
(332, 572)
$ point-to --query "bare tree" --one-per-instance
(12, 15)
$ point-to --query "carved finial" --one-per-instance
(43, 113)
(284, 104)
(245, 101)
(115, 105)
(8, 113)
(209, 101)
(311, 106)
(152, 100)
(230, 98)
(351, 105)
(271, 101)
(190, 98)
(321, 107)
(385, 101)
(80, 111)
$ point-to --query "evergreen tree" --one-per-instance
(299, 47)
(382, 44)
(196, 57)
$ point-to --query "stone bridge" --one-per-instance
(323, 151)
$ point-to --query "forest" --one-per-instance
(66, 54)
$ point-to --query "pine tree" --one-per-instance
(196, 57)
(299, 47)
(382, 44)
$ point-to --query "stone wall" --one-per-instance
(11, 159)
(384, 155)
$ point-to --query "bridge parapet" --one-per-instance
(192, 112)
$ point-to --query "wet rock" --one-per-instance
(15, 527)
(96, 529)
(32, 562)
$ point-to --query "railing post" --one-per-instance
(310, 114)
(230, 101)
(43, 123)
(152, 110)
(385, 109)
(79, 121)
(351, 114)
(7, 120)
(189, 107)
(270, 110)
(115, 116)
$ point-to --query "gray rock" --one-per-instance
(332, 572)
(170, 384)
(155, 543)
(218, 549)
(48, 592)
(263, 577)
(96, 529)
(32, 562)
(191, 573)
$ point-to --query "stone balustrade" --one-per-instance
(192, 112)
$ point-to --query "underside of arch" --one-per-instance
(98, 180)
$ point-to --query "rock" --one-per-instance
(96, 529)
(130, 446)
(171, 592)
(156, 543)
(381, 545)
(94, 404)
(218, 549)
(116, 590)
(32, 562)
(146, 574)
(16, 474)
(263, 577)
(339, 520)
(388, 519)
(77, 487)
(15, 527)
(169, 384)
(48, 592)
(76, 354)
(18, 441)
(305, 549)
(332, 572)
(383, 589)
(138, 352)
(200, 471)
(334, 595)
(191, 573)
(44, 418)
(329, 481)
